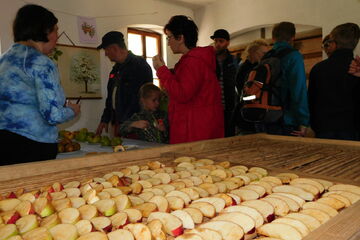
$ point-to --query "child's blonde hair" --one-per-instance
(253, 47)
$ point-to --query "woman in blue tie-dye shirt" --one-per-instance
(32, 101)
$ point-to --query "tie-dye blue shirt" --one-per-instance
(31, 97)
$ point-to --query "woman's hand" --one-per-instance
(158, 62)
(354, 68)
(142, 124)
(75, 107)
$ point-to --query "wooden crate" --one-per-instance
(338, 161)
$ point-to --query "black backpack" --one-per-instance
(261, 92)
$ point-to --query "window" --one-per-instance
(145, 44)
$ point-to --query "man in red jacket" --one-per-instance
(195, 109)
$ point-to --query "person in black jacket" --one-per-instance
(226, 68)
(129, 73)
(333, 92)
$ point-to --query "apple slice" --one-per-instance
(281, 208)
(147, 208)
(265, 208)
(292, 205)
(27, 223)
(229, 201)
(296, 198)
(64, 231)
(279, 230)
(77, 202)
(182, 195)
(50, 221)
(246, 222)
(193, 194)
(297, 224)
(217, 202)
(84, 226)
(91, 196)
(195, 177)
(205, 233)
(178, 185)
(10, 217)
(161, 203)
(107, 184)
(7, 231)
(230, 185)
(309, 188)
(294, 190)
(175, 203)
(260, 170)
(332, 202)
(122, 202)
(25, 208)
(8, 204)
(244, 178)
(257, 188)
(134, 215)
(43, 207)
(191, 236)
(114, 192)
(153, 181)
(211, 188)
(58, 195)
(136, 188)
(310, 181)
(326, 208)
(264, 184)
(172, 224)
(164, 177)
(72, 184)
(202, 192)
(69, 215)
(317, 213)
(250, 211)
(60, 204)
(346, 201)
(222, 188)
(207, 209)
(292, 176)
(16, 237)
(277, 181)
(311, 222)
(325, 183)
(353, 197)
(195, 214)
(187, 165)
(102, 224)
(140, 231)
(88, 212)
(107, 207)
(344, 187)
(156, 229)
(119, 220)
(245, 194)
(147, 172)
(146, 196)
(165, 187)
(27, 197)
(93, 236)
(156, 191)
(40, 233)
(72, 192)
(185, 217)
(228, 230)
(134, 200)
(120, 234)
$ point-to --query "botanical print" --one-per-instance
(87, 30)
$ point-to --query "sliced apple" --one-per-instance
(27, 197)
(245, 178)
(40, 233)
(264, 184)
(72, 192)
(186, 180)
(165, 187)
(120, 234)
(157, 229)
(228, 230)
(60, 204)
(353, 197)
(346, 201)
(277, 181)
(250, 211)
(294, 197)
(91, 196)
(245, 194)
(50, 221)
(134, 215)
(246, 222)
(69, 215)
(7, 231)
(195, 178)
(327, 184)
(265, 208)
(260, 170)
(311, 222)
(189, 236)
(345, 187)
(222, 188)
(297, 224)
(77, 202)
(94, 236)
(326, 208)
(309, 188)
(205, 233)
(193, 194)
(154, 181)
(187, 165)
(107, 184)
(88, 212)
(147, 208)
(317, 213)
(147, 172)
(185, 217)
(332, 202)
(58, 195)
(122, 202)
(102, 224)
(175, 203)
(161, 203)
(27, 223)
(43, 207)
(8, 204)
(257, 188)
(114, 192)
(134, 200)
(107, 207)
(211, 188)
(196, 214)
(229, 201)
(294, 190)
(281, 208)
(292, 176)
(279, 230)
(292, 204)
(202, 192)
(172, 224)
(207, 209)
(119, 220)
(72, 184)
(25, 208)
(64, 231)
(180, 194)
(10, 217)
(217, 202)
(310, 181)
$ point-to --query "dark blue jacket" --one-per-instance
(128, 77)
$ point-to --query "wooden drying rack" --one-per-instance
(338, 161)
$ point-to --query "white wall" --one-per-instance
(239, 16)
(110, 15)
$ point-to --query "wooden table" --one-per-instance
(334, 160)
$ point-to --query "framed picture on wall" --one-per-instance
(79, 69)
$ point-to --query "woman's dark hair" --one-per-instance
(147, 89)
(33, 22)
(183, 25)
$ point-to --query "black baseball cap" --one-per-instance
(221, 33)
(111, 38)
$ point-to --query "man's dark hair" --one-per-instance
(147, 89)
(283, 31)
(346, 35)
(183, 25)
(33, 22)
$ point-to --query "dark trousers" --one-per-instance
(277, 128)
(229, 124)
(15, 149)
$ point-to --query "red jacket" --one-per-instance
(195, 109)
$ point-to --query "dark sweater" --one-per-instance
(333, 94)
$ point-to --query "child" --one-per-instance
(150, 124)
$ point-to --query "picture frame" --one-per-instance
(79, 69)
